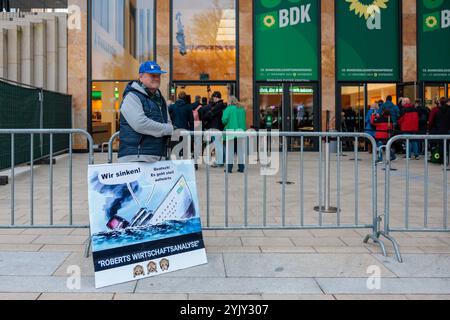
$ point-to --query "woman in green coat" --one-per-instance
(234, 120)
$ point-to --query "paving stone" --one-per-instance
(253, 249)
(151, 297)
(226, 297)
(267, 249)
(19, 296)
(228, 286)
(17, 239)
(321, 242)
(86, 265)
(20, 247)
(388, 286)
(30, 263)
(342, 250)
(60, 240)
(272, 242)
(297, 297)
(50, 232)
(300, 265)
(419, 265)
(428, 297)
(53, 284)
(222, 241)
(63, 248)
(370, 297)
(76, 296)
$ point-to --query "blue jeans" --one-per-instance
(380, 154)
(413, 148)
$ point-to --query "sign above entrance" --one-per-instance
(433, 40)
(286, 40)
(368, 40)
(279, 90)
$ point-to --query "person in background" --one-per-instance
(384, 128)
(424, 113)
(181, 113)
(409, 125)
(213, 116)
(234, 120)
(369, 128)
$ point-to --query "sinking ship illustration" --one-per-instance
(177, 205)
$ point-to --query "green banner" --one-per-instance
(433, 29)
(368, 40)
(286, 40)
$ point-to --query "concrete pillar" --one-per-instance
(52, 53)
(40, 60)
(3, 53)
(14, 35)
(27, 53)
(62, 53)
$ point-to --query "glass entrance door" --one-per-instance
(351, 112)
(289, 107)
(202, 91)
(433, 92)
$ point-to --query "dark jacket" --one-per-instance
(181, 114)
(153, 106)
(443, 120)
(212, 115)
(424, 114)
(409, 119)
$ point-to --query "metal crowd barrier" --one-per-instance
(323, 192)
(51, 132)
(443, 143)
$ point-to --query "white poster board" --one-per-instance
(145, 220)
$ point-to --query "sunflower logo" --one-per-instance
(269, 21)
(367, 9)
(431, 21)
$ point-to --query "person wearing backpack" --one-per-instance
(443, 126)
(384, 128)
(409, 124)
(369, 128)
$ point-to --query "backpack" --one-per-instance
(437, 156)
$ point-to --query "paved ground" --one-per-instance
(252, 264)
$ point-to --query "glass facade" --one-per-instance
(199, 44)
(123, 34)
(204, 40)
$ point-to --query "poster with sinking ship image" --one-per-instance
(144, 219)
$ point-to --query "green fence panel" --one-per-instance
(19, 108)
(57, 115)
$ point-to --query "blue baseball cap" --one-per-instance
(151, 67)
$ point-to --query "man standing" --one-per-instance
(213, 118)
(145, 124)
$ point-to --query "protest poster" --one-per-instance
(144, 219)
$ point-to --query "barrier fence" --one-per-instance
(268, 152)
(278, 189)
(410, 218)
(32, 133)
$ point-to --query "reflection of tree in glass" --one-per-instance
(205, 25)
(208, 53)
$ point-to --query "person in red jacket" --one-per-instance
(409, 124)
(384, 130)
